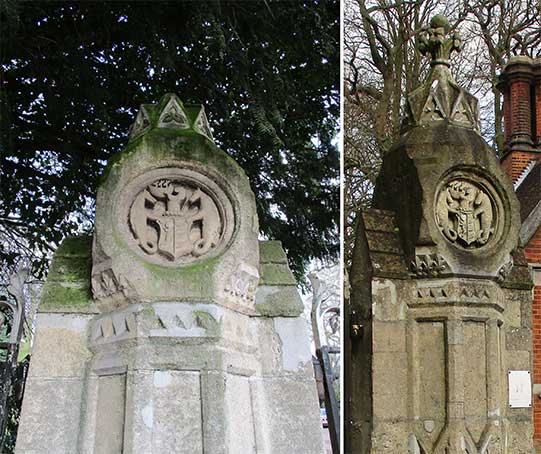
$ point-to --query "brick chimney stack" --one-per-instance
(520, 84)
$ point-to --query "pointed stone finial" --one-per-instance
(170, 113)
(434, 40)
(440, 98)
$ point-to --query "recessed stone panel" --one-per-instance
(175, 412)
(110, 414)
(430, 393)
(475, 377)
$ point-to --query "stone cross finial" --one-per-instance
(433, 40)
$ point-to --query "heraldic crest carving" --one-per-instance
(465, 213)
(176, 221)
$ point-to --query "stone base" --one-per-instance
(176, 378)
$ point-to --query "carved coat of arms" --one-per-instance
(174, 219)
(465, 214)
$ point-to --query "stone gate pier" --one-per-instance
(173, 329)
(440, 342)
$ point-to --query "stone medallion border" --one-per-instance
(191, 176)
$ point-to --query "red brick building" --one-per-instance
(520, 84)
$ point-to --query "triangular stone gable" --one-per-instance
(201, 124)
(141, 124)
(173, 116)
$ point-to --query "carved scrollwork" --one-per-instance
(465, 213)
(173, 219)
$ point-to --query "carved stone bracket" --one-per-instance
(243, 283)
(504, 271)
(110, 286)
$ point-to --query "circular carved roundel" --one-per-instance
(467, 212)
(175, 216)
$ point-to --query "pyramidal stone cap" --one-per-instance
(170, 113)
(440, 98)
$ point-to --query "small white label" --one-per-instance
(520, 389)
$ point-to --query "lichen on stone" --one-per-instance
(68, 282)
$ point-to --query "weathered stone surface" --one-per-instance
(110, 408)
(282, 301)
(67, 288)
(174, 415)
(190, 342)
(518, 339)
(384, 244)
(429, 370)
(278, 433)
(60, 346)
(276, 274)
(45, 426)
(56, 378)
(271, 252)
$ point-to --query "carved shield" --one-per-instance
(175, 220)
(467, 228)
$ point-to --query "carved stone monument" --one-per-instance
(440, 343)
(173, 330)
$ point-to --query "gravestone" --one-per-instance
(174, 329)
(440, 313)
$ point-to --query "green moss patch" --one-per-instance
(68, 282)
(75, 246)
(57, 295)
(206, 321)
(285, 302)
(276, 274)
(271, 252)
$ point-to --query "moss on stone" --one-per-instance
(271, 252)
(68, 282)
(192, 147)
(148, 310)
(285, 302)
(55, 294)
(70, 269)
(75, 246)
(205, 266)
(206, 321)
(276, 274)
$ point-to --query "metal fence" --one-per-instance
(12, 372)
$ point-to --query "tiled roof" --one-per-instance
(529, 192)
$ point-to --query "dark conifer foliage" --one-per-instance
(73, 75)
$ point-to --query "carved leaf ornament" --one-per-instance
(465, 213)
